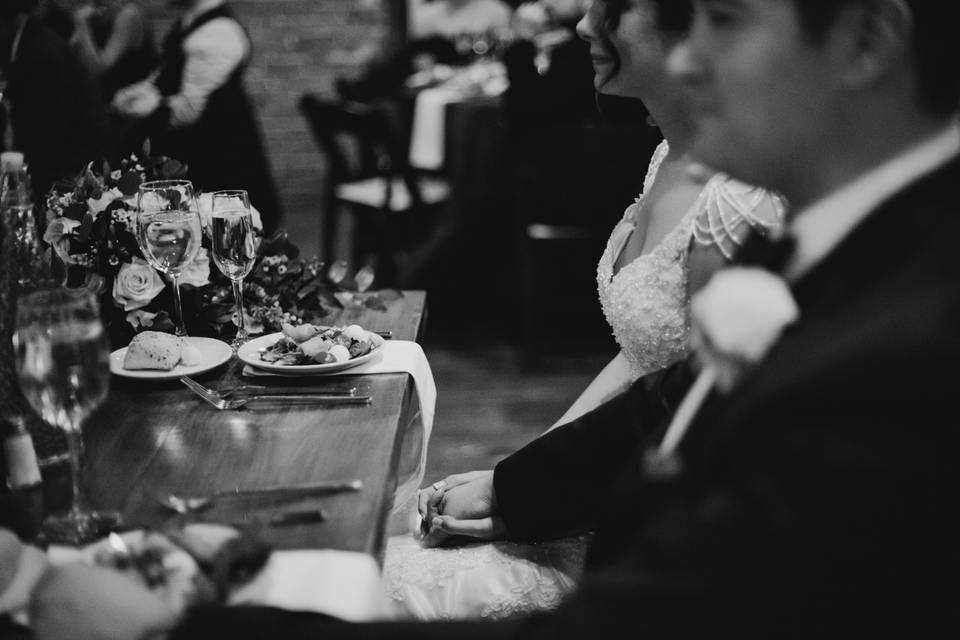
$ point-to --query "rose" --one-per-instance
(197, 273)
(98, 205)
(136, 285)
(54, 236)
(737, 318)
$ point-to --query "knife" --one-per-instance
(324, 397)
(327, 487)
(306, 516)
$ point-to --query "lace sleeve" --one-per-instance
(729, 209)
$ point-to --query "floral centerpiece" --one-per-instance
(90, 227)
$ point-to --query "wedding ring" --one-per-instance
(439, 485)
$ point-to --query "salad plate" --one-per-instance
(250, 353)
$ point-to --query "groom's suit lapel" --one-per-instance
(838, 297)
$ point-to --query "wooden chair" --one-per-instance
(369, 177)
(571, 184)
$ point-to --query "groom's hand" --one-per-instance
(461, 504)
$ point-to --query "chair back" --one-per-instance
(358, 143)
(581, 175)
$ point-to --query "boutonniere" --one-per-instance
(736, 319)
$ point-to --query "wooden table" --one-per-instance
(153, 438)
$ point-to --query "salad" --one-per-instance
(318, 344)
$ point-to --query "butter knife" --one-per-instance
(306, 516)
(306, 488)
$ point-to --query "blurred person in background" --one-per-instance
(439, 32)
(54, 113)
(114, 38)
(195, 107)
(548, 67)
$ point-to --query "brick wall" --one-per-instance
(299, 46)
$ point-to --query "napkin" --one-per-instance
(396, 356)
(343, 584)
(427, 134)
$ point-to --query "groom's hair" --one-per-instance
(936, 44)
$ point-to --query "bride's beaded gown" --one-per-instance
(645, 303)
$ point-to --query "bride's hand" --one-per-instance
(446, 527)
(462, 496)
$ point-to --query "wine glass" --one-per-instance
(62, 361)
(168, 232)
(234, 245)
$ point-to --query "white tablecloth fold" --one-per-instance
(343, 584)
(397, 356)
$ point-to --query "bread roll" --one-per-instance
(153, 350)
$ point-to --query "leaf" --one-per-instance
(145, 149)
(129, 183)
(75, 211)
(163, 322)
(171, 168)
(337, 271)
(375, 303)
(389, 295)
(86, 226)
(364, 278)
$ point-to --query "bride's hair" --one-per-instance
(674, 18)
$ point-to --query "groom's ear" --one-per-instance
(876, 39)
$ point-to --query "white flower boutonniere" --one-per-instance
(737, 318)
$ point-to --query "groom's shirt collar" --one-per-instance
(821, 226)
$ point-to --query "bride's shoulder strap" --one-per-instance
(655, 161)
(728, 209)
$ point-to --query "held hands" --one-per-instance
(463, 504)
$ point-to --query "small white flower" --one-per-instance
(98, 205)
(116, 175)
(141, 319)
(737, 318)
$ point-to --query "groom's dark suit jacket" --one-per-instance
(817, 499)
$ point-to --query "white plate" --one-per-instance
(213, 353)
(250, 353)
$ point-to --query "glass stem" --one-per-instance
(238, 296)
(75, 449)
(177, 308)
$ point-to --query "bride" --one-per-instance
(686, 224)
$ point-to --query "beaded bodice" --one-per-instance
(646, 301)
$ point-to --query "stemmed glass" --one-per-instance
(234, 245)
(168, 232)
(62, 360)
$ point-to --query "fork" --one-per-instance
(220, 395)
(222, 404)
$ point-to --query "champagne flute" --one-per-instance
(62, 361)
(168, 232)
(234, 245)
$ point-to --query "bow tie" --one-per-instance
(759, 250)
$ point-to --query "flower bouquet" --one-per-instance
(90, 227)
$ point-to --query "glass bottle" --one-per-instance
(20, 222)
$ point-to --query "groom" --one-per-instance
(814, 497)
